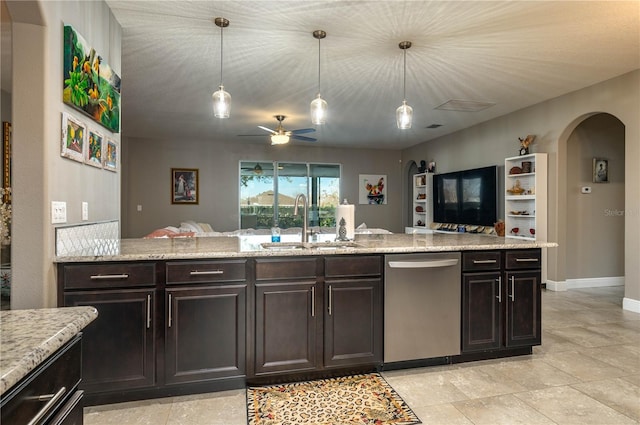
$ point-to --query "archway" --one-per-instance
(590, 226)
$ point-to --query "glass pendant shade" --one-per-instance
(279, 139)
(221, 103)
(404, 115)
(318, 110)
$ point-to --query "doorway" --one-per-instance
(595, 229)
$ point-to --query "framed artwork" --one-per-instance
(94, 149)
(184, 186)
(372, 189)
(110, 155)
(600, 170)
(73, 138)
(6, 160)
(89, 84)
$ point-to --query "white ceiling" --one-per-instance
(511, 53)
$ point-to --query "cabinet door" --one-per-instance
(205, 333)
(523, 327)
(286, 321)
(353, 322)
(481, 311)
(118, 346)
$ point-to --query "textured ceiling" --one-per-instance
(511, 53)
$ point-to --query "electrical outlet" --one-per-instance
(139, 208)
(85, 211)
(58, 212)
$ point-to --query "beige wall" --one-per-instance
(553, 122)
(147, 181)
(40, 175)
(596, 217)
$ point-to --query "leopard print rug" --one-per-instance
(359, 399)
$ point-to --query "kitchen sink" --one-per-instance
(327, 245)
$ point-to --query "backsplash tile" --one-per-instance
(100, 238)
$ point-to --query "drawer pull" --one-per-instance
(53, 399)
(484, 261)
(526, 260)
(205, 273)
(109, 276)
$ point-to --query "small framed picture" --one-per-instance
(184, 186)
(94, 149)
(73, 138)
(110, 155)
(600, 170)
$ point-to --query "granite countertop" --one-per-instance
(28, 337)
(250, 246)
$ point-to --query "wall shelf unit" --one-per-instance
(422, 204)
(525, 201)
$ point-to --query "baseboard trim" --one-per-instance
(595, 282)
(631, 305)
(556, 286)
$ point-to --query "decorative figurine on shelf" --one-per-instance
(342, 230)
(432, 167)
(524, 144)
(423, 166)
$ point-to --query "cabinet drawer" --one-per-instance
(108, 275)
(523, 259)
(206, 271)
(53, 381)
(370, 265)
(481, 260)
(280, 268)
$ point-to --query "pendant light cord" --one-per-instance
(404, 81)
(221, 47)
(319, 65)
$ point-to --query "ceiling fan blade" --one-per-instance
(303, 138)
(303, 130)
(249, 135)
(267, 129)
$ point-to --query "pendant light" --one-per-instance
(319, 105)
(221, 99)
(404, 113)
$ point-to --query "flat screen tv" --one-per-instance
(466, 197)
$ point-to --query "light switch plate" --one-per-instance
(85, 211)
(58, 212)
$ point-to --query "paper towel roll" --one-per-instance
(347, 212)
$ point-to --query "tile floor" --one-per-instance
(587, 371)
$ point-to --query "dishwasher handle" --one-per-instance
(423, 264)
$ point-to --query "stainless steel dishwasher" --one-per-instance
(421, 306)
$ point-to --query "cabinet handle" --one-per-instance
(330, 300)
(513, 293)
(313, 301)
(499, 280)
(205, 273)
(169, 319)
(53, 399)
(484, 261)
(526, 260)
(148, 311)
(109, 276)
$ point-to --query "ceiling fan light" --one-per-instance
(279, 139)
(404, 116)
(318, 110)
(221, 103)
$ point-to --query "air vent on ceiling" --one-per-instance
(434, 126)
(464, 105)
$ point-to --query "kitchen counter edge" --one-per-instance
(28, 337)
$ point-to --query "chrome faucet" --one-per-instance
(305, 231)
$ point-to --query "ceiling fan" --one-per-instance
(280, 136)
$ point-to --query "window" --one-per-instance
(268, 191)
